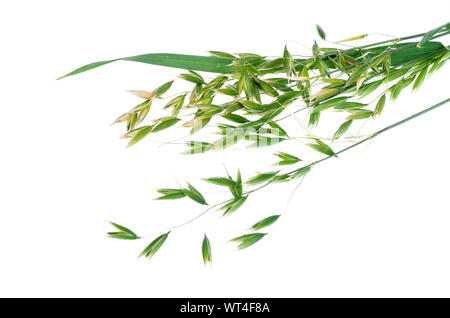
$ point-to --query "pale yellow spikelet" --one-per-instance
(142, 94)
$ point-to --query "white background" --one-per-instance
(375, 223)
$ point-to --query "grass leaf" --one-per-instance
(194, 194)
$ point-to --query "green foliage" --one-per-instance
(320, 31)
(123, 233)
(342, 129)
(253, 94)
(321, 147)
(233, 205)
(154, 246)
(248, 240)
(262, 177)
(190, 192)
(206, 250)
(286, 159)
(194, 194)
(265, 222)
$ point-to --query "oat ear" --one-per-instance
(245, 100)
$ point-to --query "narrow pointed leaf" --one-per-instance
(183, 61)
(380, 105)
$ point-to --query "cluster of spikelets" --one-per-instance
(257, 92)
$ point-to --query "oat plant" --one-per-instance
(250, 97)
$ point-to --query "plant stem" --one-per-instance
(380, 132)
